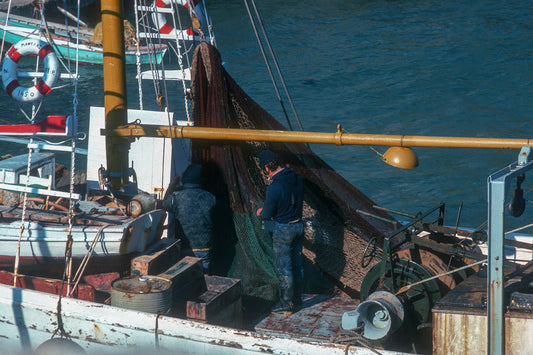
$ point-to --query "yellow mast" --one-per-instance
(115, 90)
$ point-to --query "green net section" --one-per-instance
(253, 262)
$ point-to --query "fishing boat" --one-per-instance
(95, 241)
(359, 247)
(69, 43)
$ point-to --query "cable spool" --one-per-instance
(420, 298)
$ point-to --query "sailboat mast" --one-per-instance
(115, 90)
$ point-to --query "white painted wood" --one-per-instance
(55, 147)
(28, 318)
(41, 74)
(34, 190)
(168, 75)
(182, 35)
(156, 160)
(40, 239)
(163, 10)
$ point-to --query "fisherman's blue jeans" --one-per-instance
(287, 243)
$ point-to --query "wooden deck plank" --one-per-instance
(319, 319)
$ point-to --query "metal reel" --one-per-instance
(417, 300)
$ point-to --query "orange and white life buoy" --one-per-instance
(164, 27)
(34, 47)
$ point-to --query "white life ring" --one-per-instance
(159, 18)
(34, 47)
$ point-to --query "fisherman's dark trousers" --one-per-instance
(287, 243)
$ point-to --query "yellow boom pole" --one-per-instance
(338, 137)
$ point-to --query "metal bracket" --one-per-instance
(498, 185)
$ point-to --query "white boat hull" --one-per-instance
(43, 243)
(28, 318)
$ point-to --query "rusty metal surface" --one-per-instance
(470, 293)
(464, 331)
(319, 319)
(460, 318)
(522, 300)
(473, 291)
(141, 284)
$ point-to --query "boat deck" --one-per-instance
(319, 319)
(8, 213)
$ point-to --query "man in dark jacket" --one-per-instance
(283, 205)
(193, 213)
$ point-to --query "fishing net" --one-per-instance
(336, 235)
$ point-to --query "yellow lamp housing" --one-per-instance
(401, 157)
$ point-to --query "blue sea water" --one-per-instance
(435, 68)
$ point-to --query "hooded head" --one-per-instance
(193, 174)
(265, 157)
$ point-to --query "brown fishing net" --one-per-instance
(336, 234)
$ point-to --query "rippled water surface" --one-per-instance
(436, 68)
(431, 68)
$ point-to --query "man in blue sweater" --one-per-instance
(283, 205)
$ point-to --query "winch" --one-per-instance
(420, 262)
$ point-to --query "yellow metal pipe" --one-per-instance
(338, 138)
(115, 90)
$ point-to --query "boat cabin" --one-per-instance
(13, 170)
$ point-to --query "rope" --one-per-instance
(175, 11)
(138, 56)
(353, 337)
(407, 287)
(68, 254)
(209, 24)
(519, 228)
(158, 79)
(17, 255)
(153, 69)
(85, 261)
(67, 272)
(106, 185)
(274, 59)
(5, 27)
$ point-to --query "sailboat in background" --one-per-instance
(83, 46)
(99, 225)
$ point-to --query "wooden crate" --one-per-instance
(187, 278)
(221, 304)
(156, 259)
